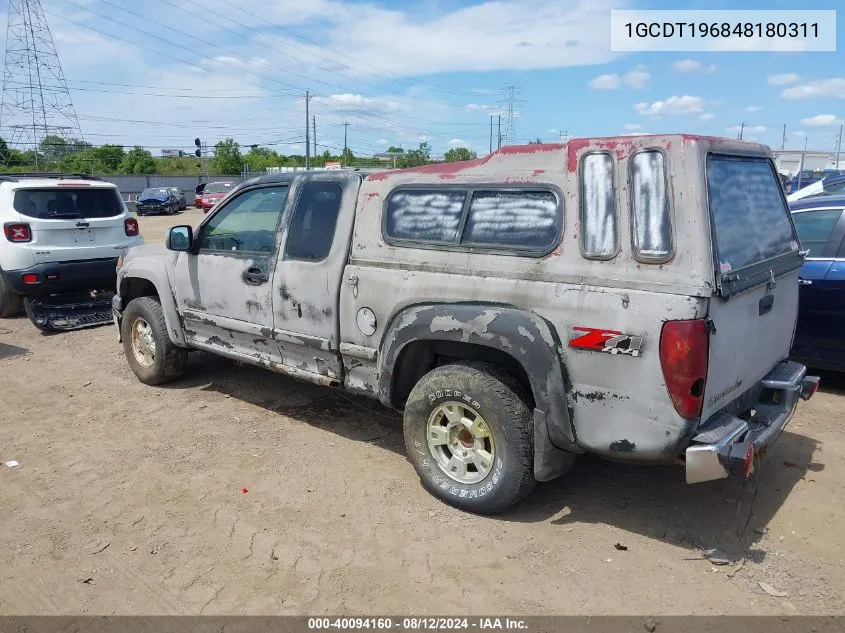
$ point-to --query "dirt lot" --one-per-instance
(130, 500)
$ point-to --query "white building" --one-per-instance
(789, 161)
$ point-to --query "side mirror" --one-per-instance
(180, 238)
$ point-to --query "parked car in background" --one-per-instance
(820, 333)
(180, 197)
(807, 177)
(62, 238)
(157, 200)
(830, 186)
(198, 194)
(213, 193)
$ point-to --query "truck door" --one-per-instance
(223, 289)
(308, 275)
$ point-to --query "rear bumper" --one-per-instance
(726, 445)
(60, 277)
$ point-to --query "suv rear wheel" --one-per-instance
(470, 437)
(150, 352)
(10, 301)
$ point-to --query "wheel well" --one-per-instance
(133, 287)
(420, 357)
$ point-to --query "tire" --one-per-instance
(498, 476)
(167, 361)
(10, 301)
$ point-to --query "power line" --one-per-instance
(334, 53)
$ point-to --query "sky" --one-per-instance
(162, 72)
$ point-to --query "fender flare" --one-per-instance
(525, 336)
(156, 274)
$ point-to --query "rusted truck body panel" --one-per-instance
(577, 319)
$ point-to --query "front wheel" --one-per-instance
(470, 437)
(150, 352)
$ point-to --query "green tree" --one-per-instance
(459, 153)
(347, 157)
(109, 156)
(138, 161)
(416, 157)
(227, 157)
(395, 150)
(536, 141)
(54, 147)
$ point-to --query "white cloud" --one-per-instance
(637, 78)
(382, 141)
(605, 82)
(834, 87)
(673, 105)
(821, 120)
(457, 142)
(633, 126)
(707, 116)
(748, 129)
(687, 66)
(782, 80)
(356, 101)
(479, 106)
(753, 109)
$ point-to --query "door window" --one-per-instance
(814, 228)
(314, 219)
(247, 224)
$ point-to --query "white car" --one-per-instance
(62, 237)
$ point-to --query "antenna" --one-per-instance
(511, 102)
(35, 102)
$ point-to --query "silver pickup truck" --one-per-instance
(630, 297)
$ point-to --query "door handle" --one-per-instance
(805, 282)
(254, 276)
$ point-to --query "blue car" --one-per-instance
(807, 177)
(820, 333)
(158, 200)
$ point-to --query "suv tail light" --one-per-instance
(17, 232)
(684, 350)
(130, 227)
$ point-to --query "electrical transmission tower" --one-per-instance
(35, 101)
(511, 103)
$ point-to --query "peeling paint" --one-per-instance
(523, 332)
(623, 446)
(216, 340)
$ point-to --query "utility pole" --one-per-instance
(741, 129)
(345, 130)
(500, 131)
(783, 140)
(511, 102)
(838, 146)
(801, 167)
(307, 133)
(564, 135)
(314, 124)
(491, 133)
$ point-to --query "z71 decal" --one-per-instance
(608, 341)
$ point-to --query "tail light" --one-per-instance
(684, 349)
(130, 227)
(30, 278)
(17, 232)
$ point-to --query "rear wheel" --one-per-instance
(470, 437)
(10, 301)
(149, 351)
